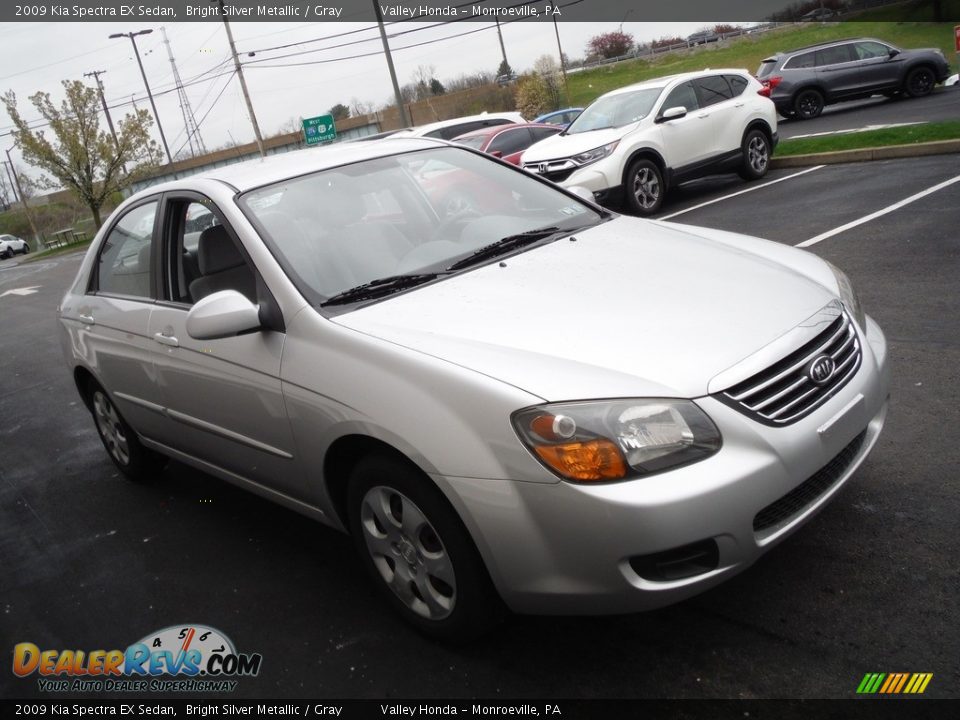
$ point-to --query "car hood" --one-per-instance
(563, 146)
(631, 308)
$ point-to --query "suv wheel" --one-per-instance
(920, 82)
(417, 551)
(756, 155)
(644, 187)
(808, 104)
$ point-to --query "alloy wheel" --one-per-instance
(757, 154)
(111, 428)
(646, 188)
(408, 553)
(921, 83)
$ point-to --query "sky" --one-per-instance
(38, 56)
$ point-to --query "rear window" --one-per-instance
(766, 67)
(474, 141)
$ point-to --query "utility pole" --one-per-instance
(243, 82)
(189, 121)
(95, 74)
(23, 199)
(503, 48)
(136, 52)
(404, 120)
(13, 189)
(563, 63)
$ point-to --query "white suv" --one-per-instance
(647, 137)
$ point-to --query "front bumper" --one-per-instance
(568, 548)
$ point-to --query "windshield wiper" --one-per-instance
(380, 287)
(511, 242)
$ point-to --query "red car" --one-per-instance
(507, 141)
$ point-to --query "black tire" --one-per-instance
(459, 606)
(808, 104)
(26, 249)
(919, 82)
(756, 155)
(643, 187)
(6, 255)
(136, 462)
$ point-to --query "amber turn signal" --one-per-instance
(596, 460)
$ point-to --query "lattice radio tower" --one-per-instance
(194, 139)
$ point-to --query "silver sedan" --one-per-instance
(510, 397)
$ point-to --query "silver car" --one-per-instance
(522, 401)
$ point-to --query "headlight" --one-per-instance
(616, 439)
(849, 296)
(591, 156)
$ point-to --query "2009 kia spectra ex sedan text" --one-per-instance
(541, 406)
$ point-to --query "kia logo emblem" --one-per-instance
(821, 369)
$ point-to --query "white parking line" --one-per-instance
(741, 192)
(878, 213)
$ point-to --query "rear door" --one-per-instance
(510, 144)
(223, 396)
(114, 316)
(838, 70)
(726, 113)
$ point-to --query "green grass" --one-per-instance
(907, 135)
(748, 51)
(44, 254)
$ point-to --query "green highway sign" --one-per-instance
(319, 129)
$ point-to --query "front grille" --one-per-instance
(807, 492)
(558, 175)
(785, 391)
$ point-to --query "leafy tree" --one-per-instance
(610, 45)
(546, 67)
(533, 96)
(504, 68)
(339, 111)
(667, 42)
(81, 156)
(436, 87)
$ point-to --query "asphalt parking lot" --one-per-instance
(870, 585)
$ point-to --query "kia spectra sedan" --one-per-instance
(543, 407)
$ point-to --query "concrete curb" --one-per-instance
(938, 147)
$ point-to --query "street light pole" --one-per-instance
(243, 82)
(143, 74)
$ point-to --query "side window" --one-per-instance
(681, 95)
(511, 141)
(867, 50)
(738, 84)
(205, 257)
(123, 267)
(833, 55)
(713, 89)
(800, 62)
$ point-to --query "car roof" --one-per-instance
(421, 130)
(274, 168)
(827, 43)
(679, 77)
(497, 129)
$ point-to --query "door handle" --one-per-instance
(703, 115)
(87, 319)
(169, 340)
(739, 104)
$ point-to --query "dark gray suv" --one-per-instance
(800, 82)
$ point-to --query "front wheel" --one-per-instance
(920, 82)
(123, 446)
(417, 551)
(808, 104)
(644, 187)
(756, 155)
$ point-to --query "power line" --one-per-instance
(212, 106)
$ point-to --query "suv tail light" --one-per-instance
(769, 84)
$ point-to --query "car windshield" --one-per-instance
(616, 110)
(474, 141)
(409, 214)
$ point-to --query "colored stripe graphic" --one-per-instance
(894, 683)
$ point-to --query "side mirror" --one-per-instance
(222, 314)
(893, 52)
(497, 153)
(672, 114)
(581, 192)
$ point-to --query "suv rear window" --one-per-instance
(766, 67)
